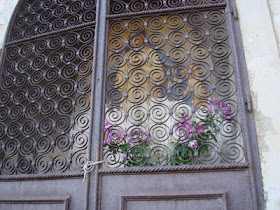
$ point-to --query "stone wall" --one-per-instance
(6, 10)
(274, 7)
(260, 27)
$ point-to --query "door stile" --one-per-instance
(247, 116)
(98, 107)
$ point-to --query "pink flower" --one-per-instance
(184, 130)
(113, 135)
(213, 105)
(184, 122)
(185, 119)
(196, 130)
(226, 110)
(215, 101)
(106, 123)
(216, 105)
(189, 130)
(107, 136)
(193, 144)
(211, 108)
(137, 136)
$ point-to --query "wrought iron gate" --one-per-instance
(152, 87)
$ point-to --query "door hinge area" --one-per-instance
(248, 102)
(234, 12)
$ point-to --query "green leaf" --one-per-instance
(214, 138)
(125, 147)
(193, 123)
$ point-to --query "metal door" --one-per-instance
(176, 63)
(173, 121)
(46, 100)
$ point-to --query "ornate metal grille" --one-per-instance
(39, 17)
(127, 6)
(46, 87)
(171, 97)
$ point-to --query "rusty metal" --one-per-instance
(234, 11)
(249, 102)
(124, 6)
(248, 121)
(41, 176)
(142, 178)
(31, 33)
(61, 202)
(166, 10)
(45, 92)
(213, 167)
(222, 197)
(161, 70)
(40, 17)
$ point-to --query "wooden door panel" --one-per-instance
(208, 190)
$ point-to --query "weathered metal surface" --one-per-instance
(176, 202)
(125, 6)
(180, 168)
(34, 203)
(162, 187)
(117, 182)
(41, 176)
(248, 121)
(230, 181)
(28, 194)
(45, 93)
(40, 17)
(171, 93)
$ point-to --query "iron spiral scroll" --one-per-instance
(134, 6)
(45, 92)
(167, 74)
(171, 97)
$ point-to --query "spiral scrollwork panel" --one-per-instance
(171, 97)
(40, 17)
(45, 91)
(126, 6)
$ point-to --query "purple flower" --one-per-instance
(213, 105)
(182, 126)
(196, 130)
(184, 130)
(215, 101)
(106, 123)
(216, 105)
(113, 135)
(226, 110)
(136, 136)
(193, 144)
(211, 108)
(107, 136)
(185, 119)
(184, 122)
(189, 130)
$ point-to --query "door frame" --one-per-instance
(245, 108)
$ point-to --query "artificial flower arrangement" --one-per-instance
(191, 133)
